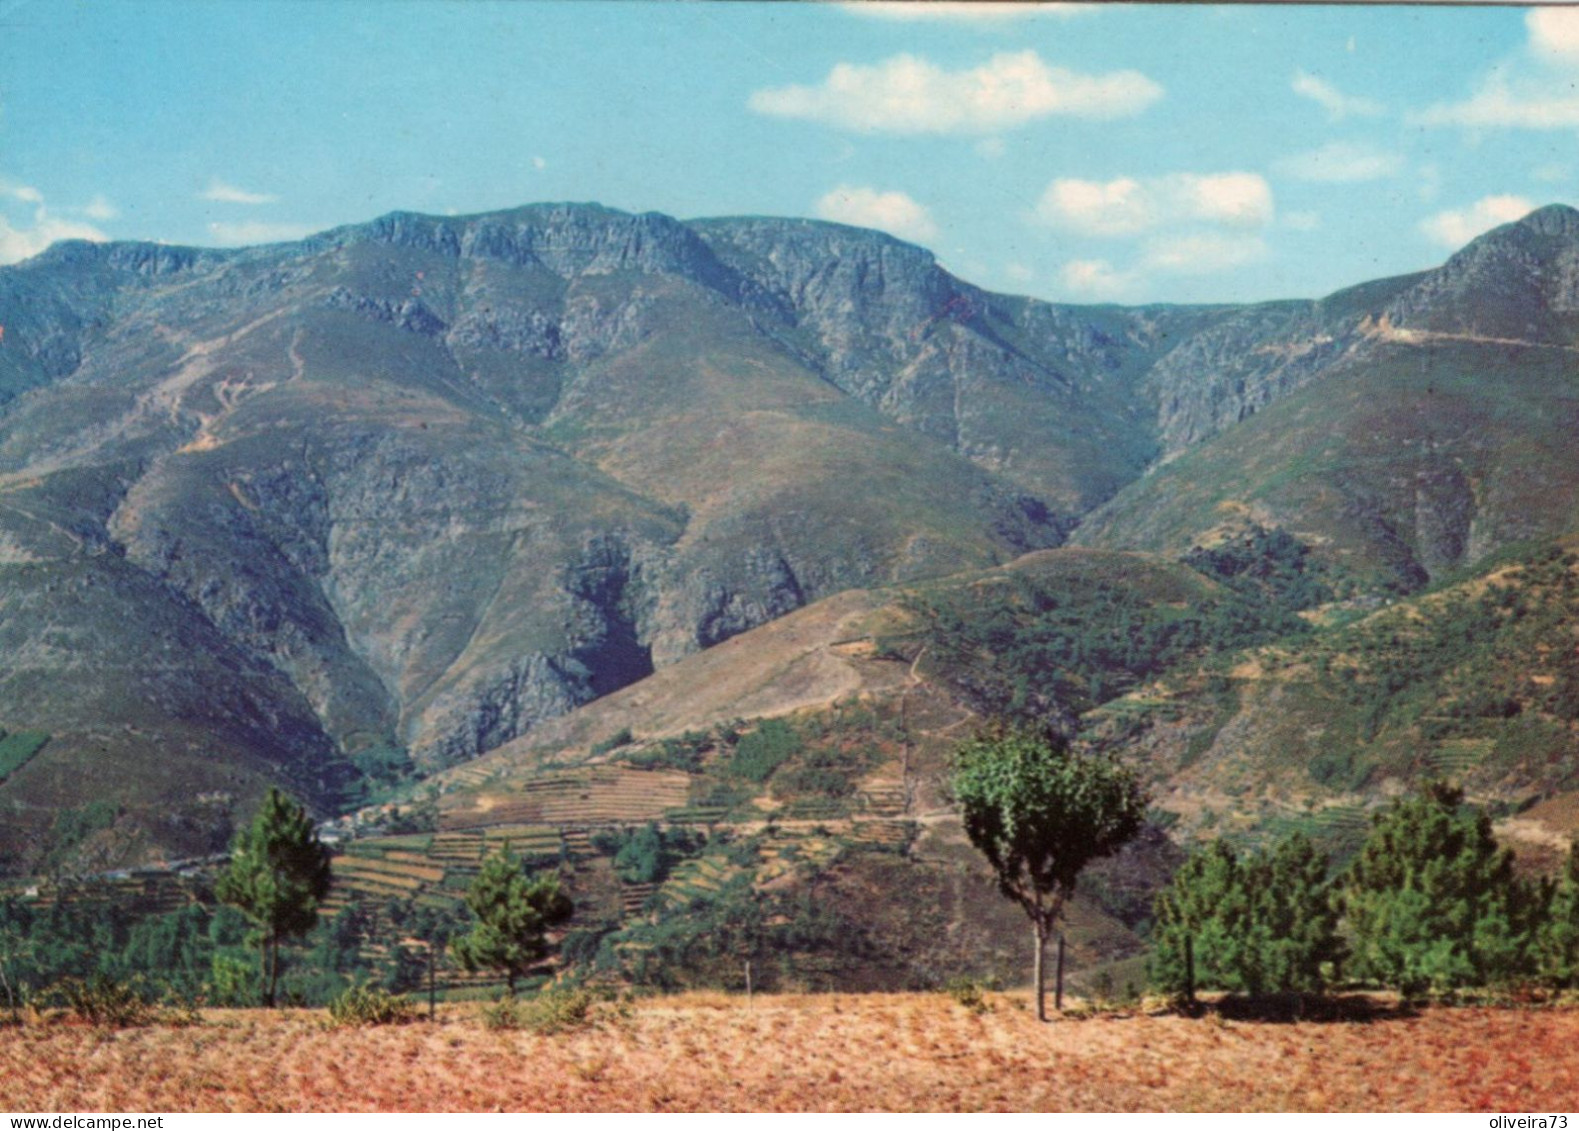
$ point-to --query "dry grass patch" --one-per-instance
(715, 1052)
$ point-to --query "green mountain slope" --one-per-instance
(408, 492)
(1435, 439)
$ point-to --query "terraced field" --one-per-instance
(1329, 822)
(153, 893)
(587, 797)
(720, 829)
(699, 878)
(1455, 759)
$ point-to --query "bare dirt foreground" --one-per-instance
(833, 1053)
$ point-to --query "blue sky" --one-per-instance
(1079, 153)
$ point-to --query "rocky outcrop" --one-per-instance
(1225, 373)
(1518, 283)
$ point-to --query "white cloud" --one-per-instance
(1337, 104)
(100, 208)
(17, 244)
(1499, 104)
(1019, 272)
(1203, 253)
(1554, 33)
(991, 11)
(1126, 206)
(1120, 207)
(229, 194)
(1342, 162)
(1187, 253)
(1097, 279)
(1535, 91)
(991, 148)
(1456, 227)
(257, 231)
(909, 95)
(24, 238)
(892, 212)
(539, 163)
(1189, 224)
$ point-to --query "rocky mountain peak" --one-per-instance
(1516, 283)
(568, 240)
(828, 269)
(1553, 220)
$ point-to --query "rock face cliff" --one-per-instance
(1405, 429)
(423, 483)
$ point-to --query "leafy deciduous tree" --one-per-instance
(1040, 813)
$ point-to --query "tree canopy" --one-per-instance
(1256, 924)
(1040, 814)
(277, 876)
(513, 915)
(1432, 902)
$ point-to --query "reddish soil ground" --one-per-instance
(833, 1053)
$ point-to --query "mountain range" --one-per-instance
(405, 493)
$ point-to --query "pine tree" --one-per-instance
(1257, 925)
(1295, 922)
(1432, 902)
(1559, 933)
(513, 915)
(277, 876)
(1040, 814)
(1201, 916)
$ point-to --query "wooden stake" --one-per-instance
(1058, 978)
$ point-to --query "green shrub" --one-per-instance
(1558, 934)
(641, 859)
(1033, 650)
(370, 1005)
(554, 1010)
(969, 993)
(681, 753)
(621, 737)
(102, 1000)
(645, 854)
(763, 750)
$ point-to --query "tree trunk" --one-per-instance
(10, 997)
(274, 971)
(1058, 981)
(433, 997)
(1041, 979)
(271, 967)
